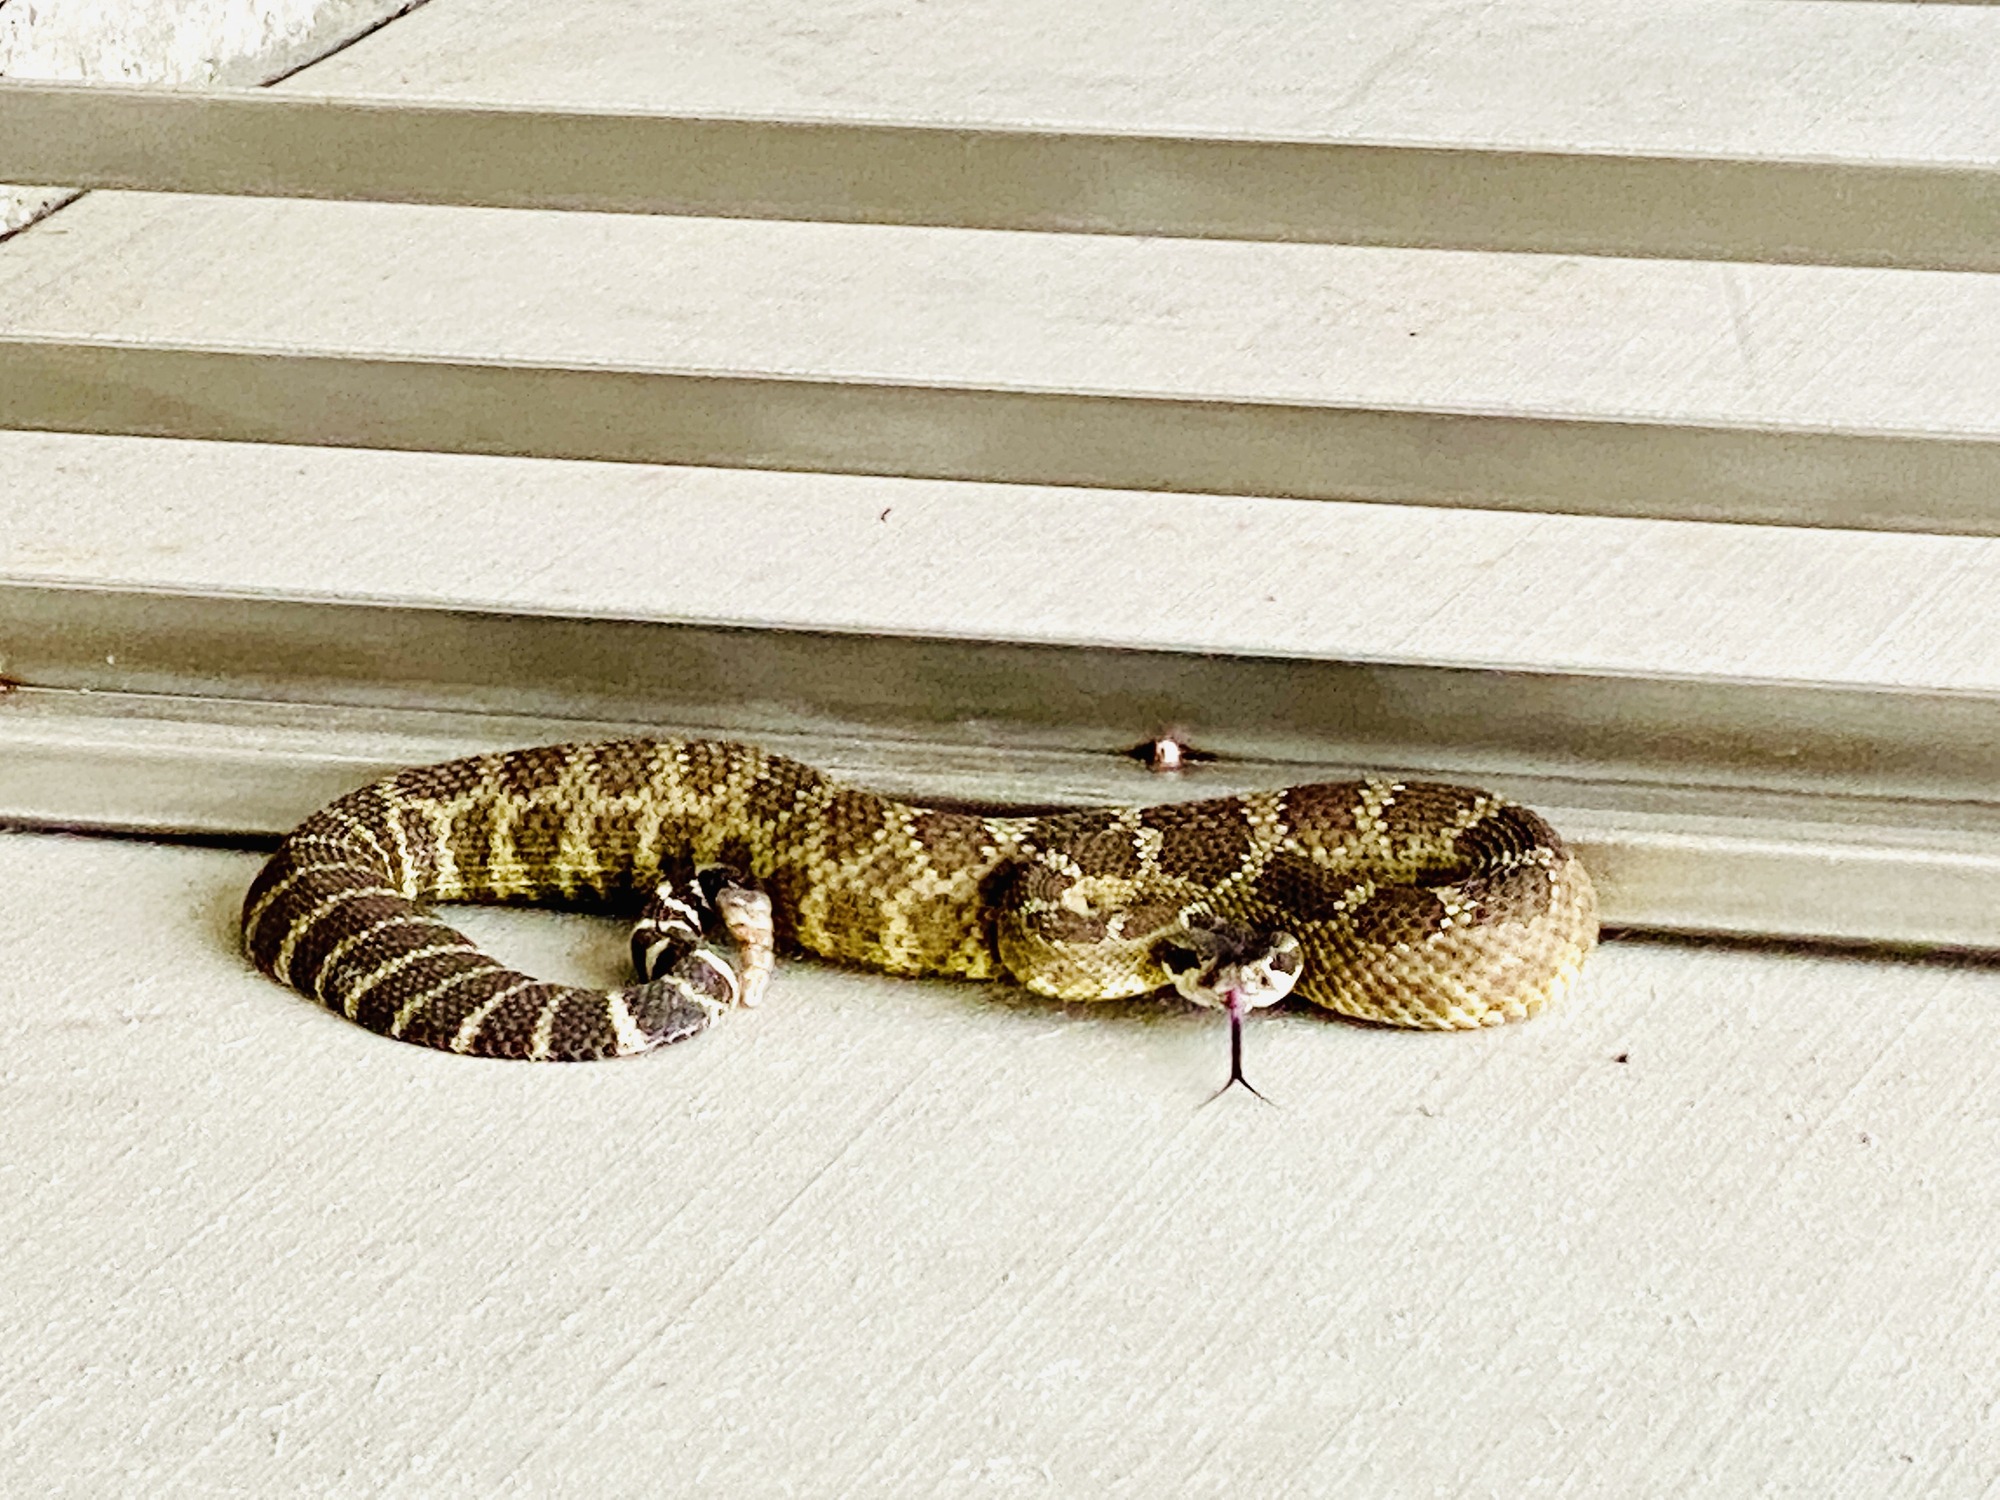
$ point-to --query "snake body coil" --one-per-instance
(1411, 903)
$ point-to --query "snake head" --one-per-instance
(1234, 969)
(1227, 967)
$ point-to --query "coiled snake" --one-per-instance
(1411, 903)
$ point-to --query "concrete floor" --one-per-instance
(1722, 1227)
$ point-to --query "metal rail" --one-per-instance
(1936, 216)
(1925, 482)
(1700, 804)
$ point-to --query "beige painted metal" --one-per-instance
(1933, 216)
(1876, 481)
(1814, 865)
(1702, 805)
(1659, 729)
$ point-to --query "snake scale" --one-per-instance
(1411, 903)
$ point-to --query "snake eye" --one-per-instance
(712, 880)
(1176, 960)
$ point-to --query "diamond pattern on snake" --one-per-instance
(1407, 903)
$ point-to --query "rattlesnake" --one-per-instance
(1411, 903)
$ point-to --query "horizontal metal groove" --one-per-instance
(1645, 730)
(1552, 463)
(1786, 809)
(1939, 216)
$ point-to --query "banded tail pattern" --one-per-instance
(338, 914)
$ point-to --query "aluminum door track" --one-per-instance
(1861, 815)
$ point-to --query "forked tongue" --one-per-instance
(1238, 1008)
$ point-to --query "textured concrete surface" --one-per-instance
(1723, 77)
(1660, 340)
(1721, 1227)
(1003, 561)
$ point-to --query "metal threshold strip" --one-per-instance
(1935, 216)
(1894, 481)
(1864, 815)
